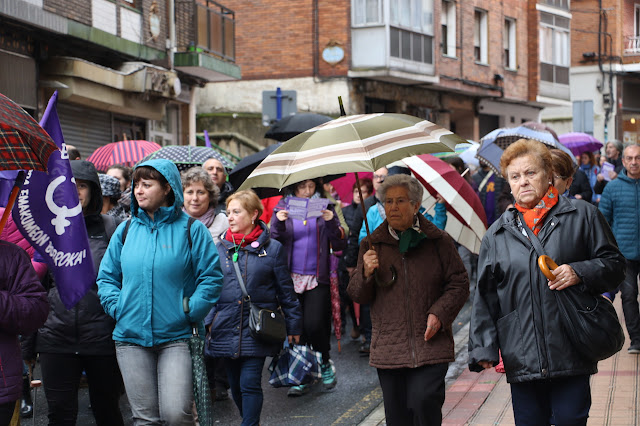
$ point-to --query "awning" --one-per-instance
(133, 90)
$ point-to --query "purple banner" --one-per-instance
(207, 141)
(49, 216)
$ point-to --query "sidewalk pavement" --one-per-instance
(485, 398)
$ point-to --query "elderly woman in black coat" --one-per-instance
(515, 309)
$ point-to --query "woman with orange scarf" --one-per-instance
(515, 310)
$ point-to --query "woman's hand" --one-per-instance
(433, 326)
(282, 215)
(294, 338)
(370, 260)
(327, 215)
(485, 364)
(565, 277)
(439, 199)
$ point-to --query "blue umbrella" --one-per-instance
(493, 144)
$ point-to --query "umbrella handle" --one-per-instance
(364, 212)
(185, 305)
(545, 263)
(394, 278)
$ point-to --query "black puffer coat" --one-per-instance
(84, 329)
(515, 311)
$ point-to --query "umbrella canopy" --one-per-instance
(493, 144)
(187, 156)
(579, 142)
(466, 219)
(293, 125)
(126, 153)
(24, 145)
(356, 143)
(460, 148)
(469, 155)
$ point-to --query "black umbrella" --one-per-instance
(293, 125)
(243, 169)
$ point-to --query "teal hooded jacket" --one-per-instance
(142, 284)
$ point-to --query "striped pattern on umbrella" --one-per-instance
(466, 219)
(126, 153)
(357, 143)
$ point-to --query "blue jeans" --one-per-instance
(158, 382)
(630, 308)
(563, 401)
(245, 379)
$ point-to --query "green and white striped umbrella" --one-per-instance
(355, 143)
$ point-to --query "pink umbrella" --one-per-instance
(127, 153)
(344, 185)
(579, 142)
(466, 219)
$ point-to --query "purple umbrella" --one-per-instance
(579, 142)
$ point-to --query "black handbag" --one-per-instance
(590, 322)
(264, 324)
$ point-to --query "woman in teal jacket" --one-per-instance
(150, 265)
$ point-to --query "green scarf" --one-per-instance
(410, 239)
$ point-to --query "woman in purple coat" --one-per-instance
(308, 244)
(23, 308)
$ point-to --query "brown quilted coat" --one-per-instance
(431, 279)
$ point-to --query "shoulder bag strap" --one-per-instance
(537, 245)
(241, 281)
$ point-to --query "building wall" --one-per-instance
(464, 65)
(82, 11)
(277, 39)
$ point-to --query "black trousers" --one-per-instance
(61, 378)
(316, 319)
(6, 412)
(413, 396)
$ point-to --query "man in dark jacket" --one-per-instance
(79, 339)
(23, 308)
(619, 205)
(218, 174)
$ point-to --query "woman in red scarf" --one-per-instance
(515, 309)
(262, 263)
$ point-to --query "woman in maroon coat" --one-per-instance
(23, 308)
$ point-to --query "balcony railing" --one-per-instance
(205, 26)
(632, 45)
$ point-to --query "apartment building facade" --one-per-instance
(470, 66)
(123, 68)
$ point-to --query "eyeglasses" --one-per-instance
(381, 178)
(561, 177)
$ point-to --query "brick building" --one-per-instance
(470, 66)
(605, 71)
(123, 68)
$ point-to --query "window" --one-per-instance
(448, 22)
(509, 43)
(411, 30)
(480, 36)
(367, 12)
(583, 117)
(554, 48)
(560, 4)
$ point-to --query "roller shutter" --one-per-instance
(85, 128)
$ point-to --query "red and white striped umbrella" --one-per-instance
(126, 153)
(466, 219)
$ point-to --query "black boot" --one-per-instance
(26, 407)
